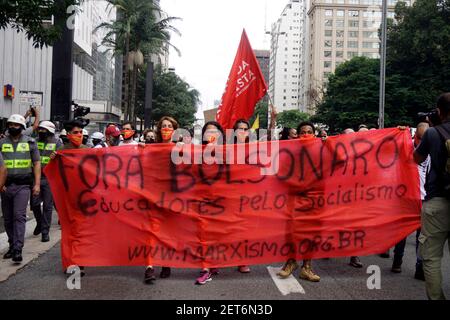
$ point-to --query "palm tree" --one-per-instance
(136, 33)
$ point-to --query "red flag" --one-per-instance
(245, 87)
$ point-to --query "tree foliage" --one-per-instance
(291, 118)
(172, 96)
(418, 65)
(28, 15)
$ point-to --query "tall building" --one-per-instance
(338, 31)
(263, 57)
(287, 58)
(28, 71)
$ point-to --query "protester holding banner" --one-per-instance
(305, 131)
(128, 133)
(165, 129)
(112, 136)
(354, 261)
(241, 132)
(435, 230)
(288, 134)
(149, 136)
(212, 135)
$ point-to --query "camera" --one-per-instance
(431, 116)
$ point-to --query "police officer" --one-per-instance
(98, 140)
(47, 144)
(21, 156)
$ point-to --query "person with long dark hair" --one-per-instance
(212, 134)
(164, 132)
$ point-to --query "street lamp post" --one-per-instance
(383, 65)
(275, 51)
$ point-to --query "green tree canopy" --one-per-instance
(291, 118)
(172, 96)
(27, 15)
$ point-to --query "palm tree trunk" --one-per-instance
(133, 94)
(125, 101)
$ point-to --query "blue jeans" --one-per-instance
(399, 250)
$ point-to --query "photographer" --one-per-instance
(33, 112)
(436, 208)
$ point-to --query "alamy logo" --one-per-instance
(74, 280)
(374, 280)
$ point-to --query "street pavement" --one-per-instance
(41, 277)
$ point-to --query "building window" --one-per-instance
(327, 54)
(370, 34)
(328, 33)
(339, 23)
(371, 24)
(352, 44)
(326, 74)
(328, 13)
(353, 23)
(353, 13)
(353, 1)
(339, 54)
(372, 55)
(371, 45)
(340, 1)
(351, 54)
(338, 63)
(340, 13)
(328, 44)
(328, 22)
(339, 44)
(339, 33)
(353, 34)
(327, 64)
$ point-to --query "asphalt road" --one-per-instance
(43, 279)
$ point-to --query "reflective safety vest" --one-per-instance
(16, 155)
(45, 150)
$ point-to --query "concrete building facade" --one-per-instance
(287, 58)
(338, 31)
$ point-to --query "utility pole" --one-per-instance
(61, 102)
(383, 65)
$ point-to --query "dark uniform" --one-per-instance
(44, 217)
(18, 158)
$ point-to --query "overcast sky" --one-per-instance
(211, 31)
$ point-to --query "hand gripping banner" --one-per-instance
(184, 207)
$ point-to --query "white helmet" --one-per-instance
(48, 125)
(17, 118)
(97, 136)
(85, 132)
(63, 133)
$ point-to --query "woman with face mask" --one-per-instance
(212, 135)
(149, 136)
(306, 131)
(165, 129)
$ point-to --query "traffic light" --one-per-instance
(79, 112)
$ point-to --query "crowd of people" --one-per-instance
(26, 151)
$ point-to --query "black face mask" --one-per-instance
(114, 142)
(14, 132)
(150, 141)
(43, 136)
(96, 142)
(85, 140)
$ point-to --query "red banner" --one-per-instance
(350, 195)
(245, 87)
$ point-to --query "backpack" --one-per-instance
(445, 134)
